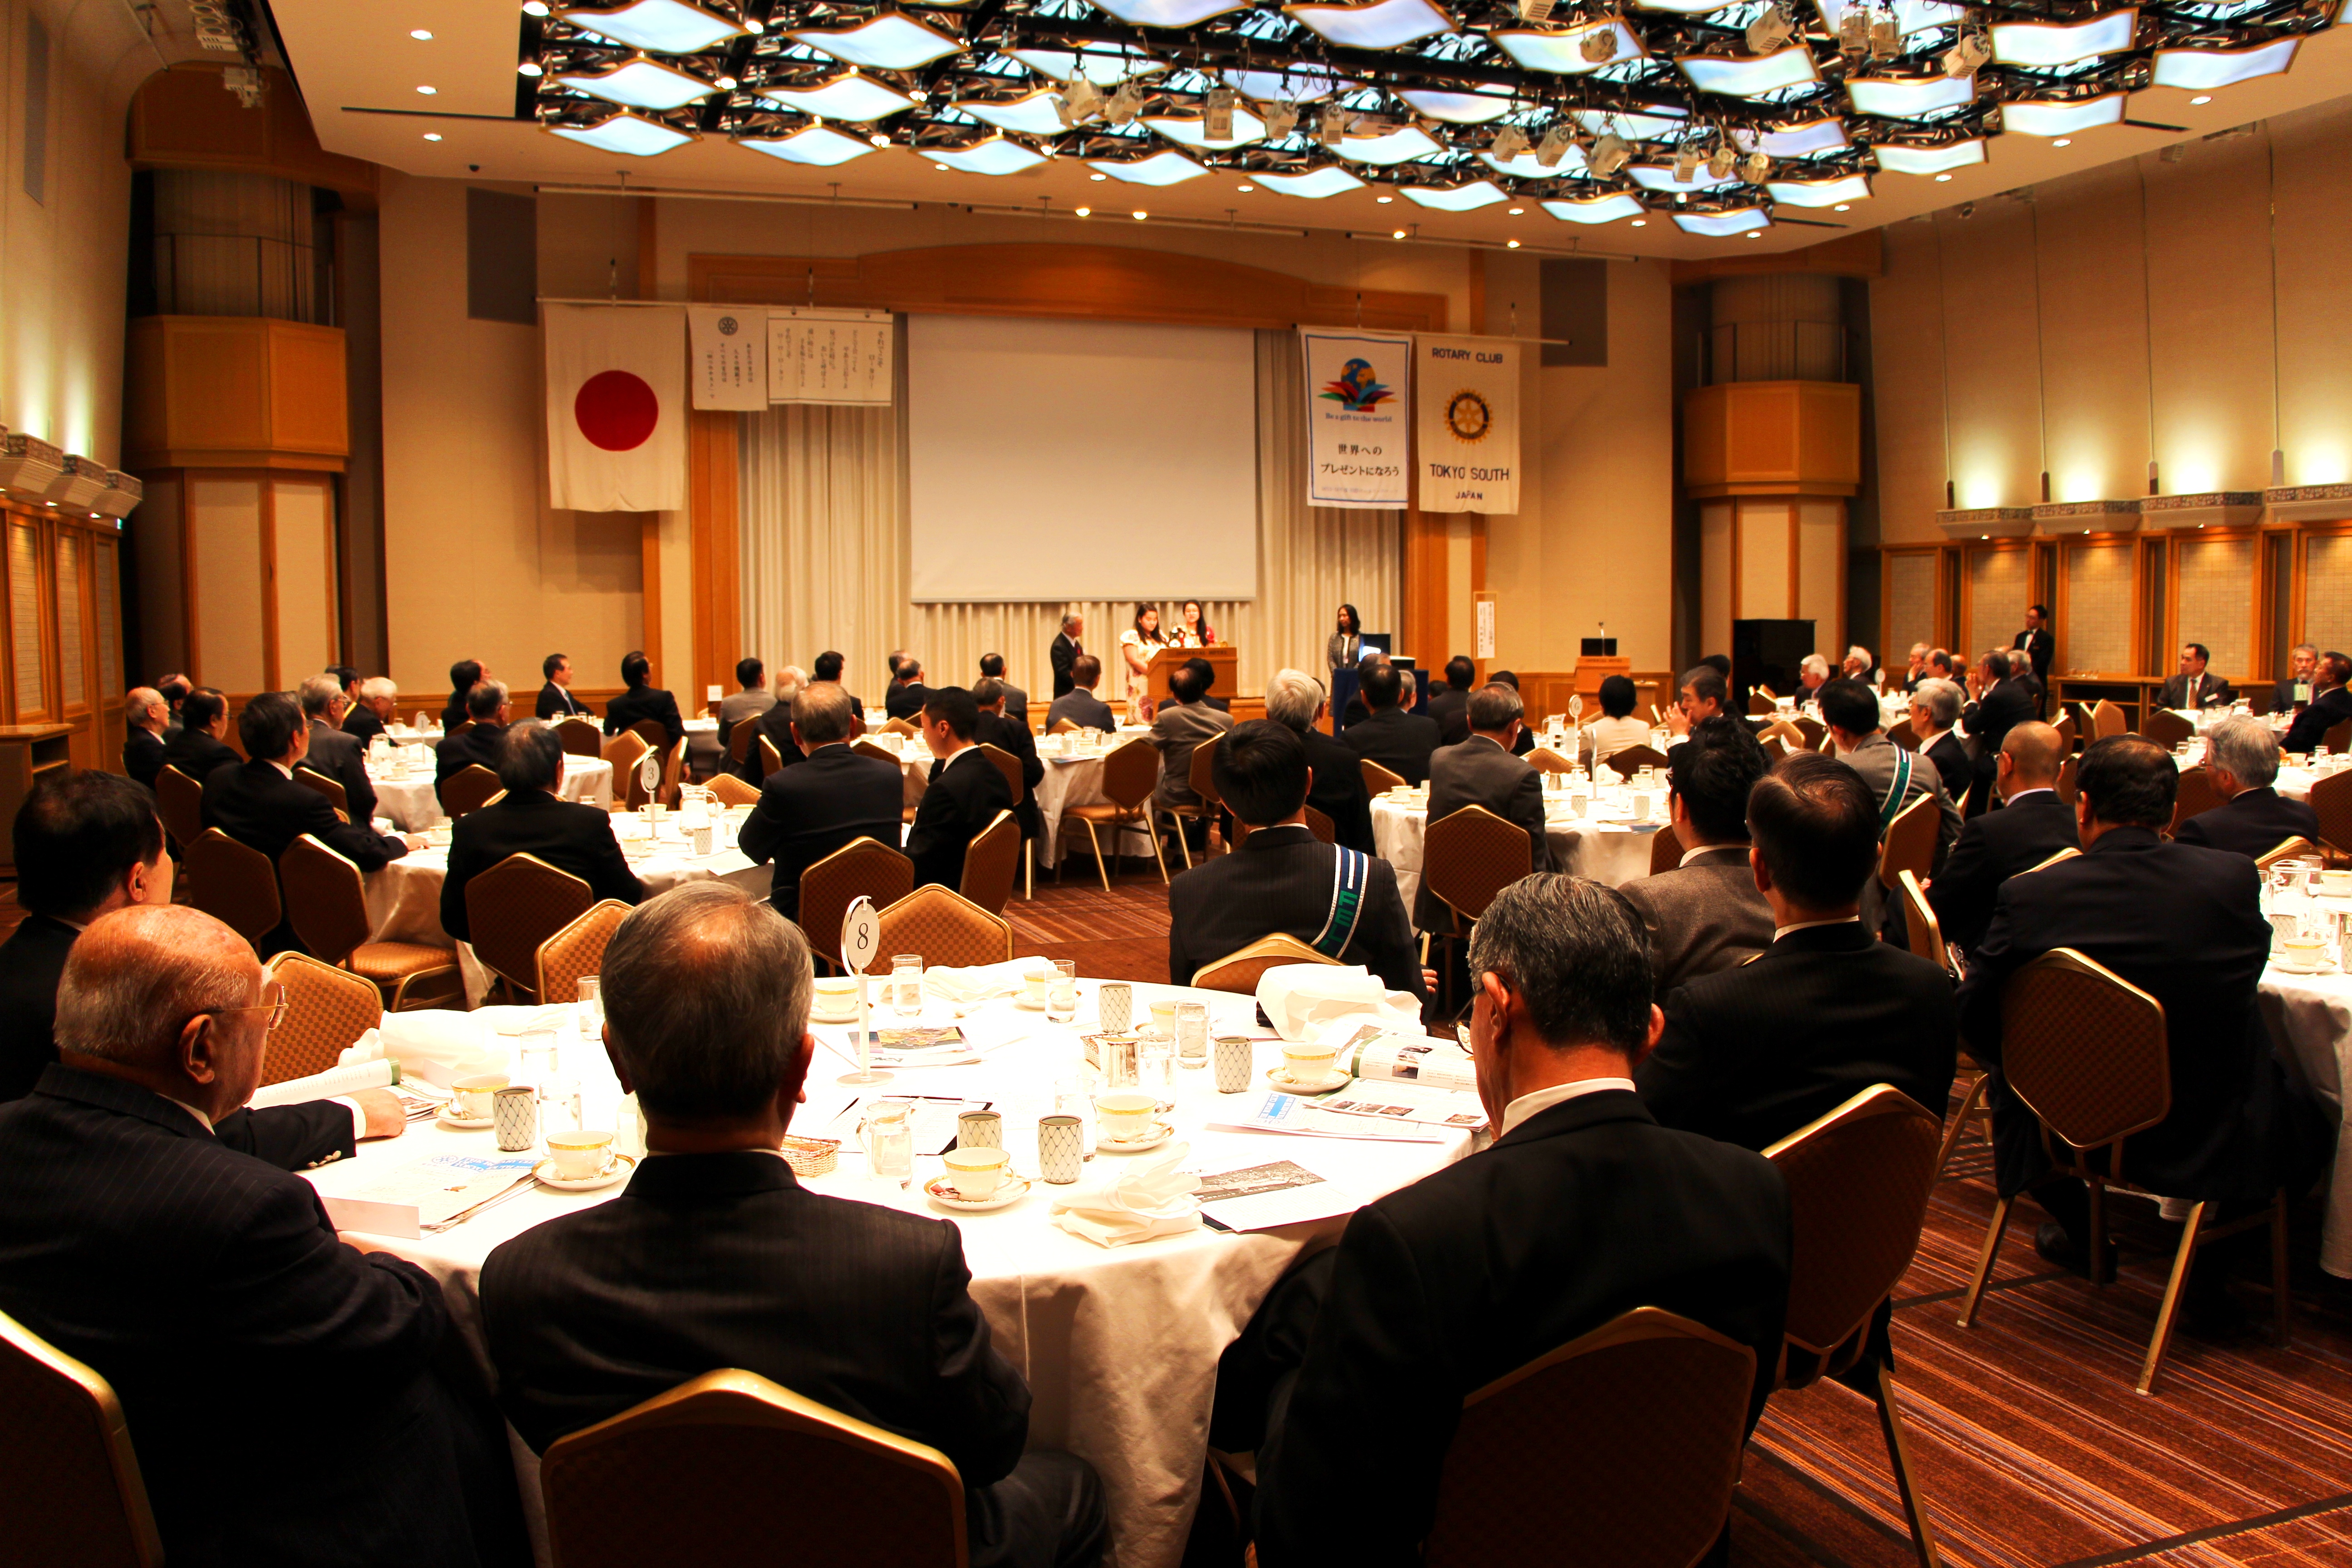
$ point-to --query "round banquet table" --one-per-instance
(412, 805)
(1607, 848)
(2294, 779)
(1119, 1345)
(2311, 1017)
(408, 735)
(1071, 778)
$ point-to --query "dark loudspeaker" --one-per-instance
(1766, 653)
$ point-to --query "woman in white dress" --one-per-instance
(1617, 728)
(1135, 646)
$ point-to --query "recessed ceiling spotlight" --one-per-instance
(1942, 178)
(1396, 234)
(1246, 189)
(534, 8)
(528, 67)
(1140, 216)
(428, 92)
(420, 34)
(2202, 98)
(1517, 210)
(1086, 211)
(2062, 141)
(1843, 207)
(1511, 244)
(433, 136)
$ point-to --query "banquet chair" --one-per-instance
(1378, 780)
(1130, 775)
(863, 868)
(2085, 1051)
(1760, 703)
(1927, 938)
(2166, 728)
(652, 731)
(1206, 804)
(2196, 797)
(512, 907)
(1577, 1446)
(1858, 1179)
(2106, 720)
(1239, 971)
(729, 790)
(1666, 851)
(459, 727)
(467, 790)
(580, 736)
(1909, 842)
(180, 802)
(771, 761)
(739, 738)
(1925, 932)
(1544, 760)
(234, 884)
(900, 727)
(712, 1470)
(945, 927)
(2067, 730)
(326, 904)
(70, 1481)
(625, 752)
(1812, 729)
(1467, 857)
(2339, 739)
(1063, 727)
(672, 773)
(990, 864)
(864, 749)
(311, 778)
(1633, 760)
(327, 1011)
(1902, 734)
(2331, 802)
(1325, 831)
(2285, 849)
(1010, 766)
(2065, 786)
(577, 951)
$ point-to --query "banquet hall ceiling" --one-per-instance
(1669, 127)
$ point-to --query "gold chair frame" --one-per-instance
(1130, 774)
(1239, 971)
(729, 790)
(2197, 797)
(576, 951)
(1205, 806)
(2166, 728)
(2331, 802)
(1378, 780)
(69, 1480)
(468, 789)
(325, 900)
(771, 761)
(224, 873)
(327, 1011)
(1909, 842)
(311, 778)
(863, 866)
(2285, 849)
(1010, 766)
(945, 927)
(180, 802)
(992, 864)
(510, 953)
(579, 737)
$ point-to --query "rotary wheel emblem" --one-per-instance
(1467, 416)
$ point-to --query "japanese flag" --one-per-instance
(615, 407)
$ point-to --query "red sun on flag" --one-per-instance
(616, 410)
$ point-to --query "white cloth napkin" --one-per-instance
(980, 982)
(440, 1045)
(1151, 1197)
(1298, 999)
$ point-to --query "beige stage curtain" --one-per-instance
(824, 555)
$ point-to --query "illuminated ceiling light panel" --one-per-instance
(1661, 177)
(1721, 224)
(993, 156)
(1910, 15)
(1820, 192)
(1460, 199)
(625, 132)
(640, 84)
(848, 97)
(1750, 77)
(1385, 25)
(1523, 166)
(1401, 146)
(815, 144)
(2203, 69)
(1459, 108)
(1327, 181)
(1907, 98)
(1683, 8)
(1900, 160)
(664, 26)
(1192, 131)
(1103, 68)
(1796, 141)
(891, 41)
(1562, 53)
(1033, 114)
(1168, 13)
(1160, 169)
(1285, 86)
(2063, 119)
(1639, 127)
(2044, 43)
(1597, 210)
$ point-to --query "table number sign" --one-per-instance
(649, 773)
(861, 938)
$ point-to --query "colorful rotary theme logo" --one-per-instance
(1358, 390)
(1467, 416)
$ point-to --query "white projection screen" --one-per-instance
(1053, 460)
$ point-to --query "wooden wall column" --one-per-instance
(711, 440)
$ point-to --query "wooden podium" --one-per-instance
(1168, 660)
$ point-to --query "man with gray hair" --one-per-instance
(1812, 674)
(1701, 694)
(715, 1256)
(478, 744)
(334, 754)
(212, 1292)
(2292, 690)
(378, 697)
(1080, 705)
(1481, 771)
(2242, 758)
(145, 715)
(1063, 655)
(1295, 701)
(1917, 670)
(1861, 664)
(1934, 709)
(533, 818)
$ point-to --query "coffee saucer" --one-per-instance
(1330, 1081)
(2322, 967)
(464, 1123)
(618, 1171)
(848, 1017)
(1009, 1191)
(1161, 1132)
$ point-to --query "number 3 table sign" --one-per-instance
(861, 938)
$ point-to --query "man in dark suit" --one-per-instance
(643, 701)
(1016, 701)
(1208, 674)
(175, 689)
(1701, 694)
(1481, 771)
(997, 727)
(1399, 741)
(1935, 710)
(1180, 726)
(965, 794)
(1294, 701)
(2331, 706)
(1527, 741)
(213, 1293)
(2196, 686)
(1450, 704)
(2293, 690)
(2032, 824)
(1706, 913)
(2242, 757)
(333, 753)
(377, 698)
(827, 667)
(1585, 1209)
(555, 699)
(1079, 704)
(775, 726)
(1342, 902)
(2036, 641)
(811, 809)
(907, 692)
(715, 1256)
(198, 750)
(1062, 657)
(533, 819)
(486, 705)
(2001, 700)
(145, 715)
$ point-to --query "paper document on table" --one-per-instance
(1260, 1197)
(1382, 1054)
(1288, 1113)
(335, 1081)
(1407, 1102)
(410, 1198)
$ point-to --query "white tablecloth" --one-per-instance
(1605, 851)
(1119, 1345)
(2310, 1015)
(412, 805)
(1068, 781)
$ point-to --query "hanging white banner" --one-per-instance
(831, 356)
(1468, 424)
(729, 368)
(1358, 386)
(615, 407)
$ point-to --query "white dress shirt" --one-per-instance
(1527, 1105)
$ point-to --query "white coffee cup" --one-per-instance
(836, 997)
(472, 1097)
(975, 1172)
(2303, 952)
(2335, 884)
(1032, 989)
(1125, 1115)
(580, 1156)
(1305, 1063)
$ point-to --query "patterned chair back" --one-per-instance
(1902, 735)
(2197, 795)
(771, 759)
(1633, 760)
(468, 789)
(1202, 773)
(945, 927)
(69, 1482)
(180, 802)
(1666, 851)
(991, 863)
(1378, 780)
(2107, 720)
(236, 885)
(516, 905)
(577, 951)
(1130, 773)
(864, 866)
(2331, 802)
(2085, 1049)
(326, 898)
(729, 790)
(2167, 729)
(1240, 971)
(1920, 927)
(1010, 766)
(1325, 830)
(580, 736)
(625, 752)
(311, 778)
(327, 1011)
(1469, 855)
(1910, 841)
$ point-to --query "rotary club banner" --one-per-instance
(1468, 426)
(729, 363)
(1358, 386)
(615, 408)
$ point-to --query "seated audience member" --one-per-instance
(348, 679)
(966, 791)
(826, 669)
(1181, 724)
(2032, 825)
(1721, 664)
(210, 1291)
(1450, 704)
(1283, 878)
(774, 726)
(1295, 700)
(1080, 705)
(1585, 1209)
(144, 716)
(642, 700)
(533, 819)
(487, 705)
(806, 812)
(339, 756)
(1208, 674)
(1616, 729)
(1706, 913)
(198, 750)
(2293, 690)
(1482, 771)
(1934, 709)
(2185, 924)
(464, 676)
(1062, 657)
(1354, 713)
(1753, 1053)
(1860, 665)
(2196, 686)
(997, 727)
(2331, 704)
(176, 690)
(750, 698)
(1704, 694)
(373, 707)
(716, 1256)
(1812, 674)
(2242, 758)
(1391, 734)
(555, 699)
(2002, 699)
(1527, 741)
(1895, 777)
(1016, 701)
(1916, 670)
(907, 694)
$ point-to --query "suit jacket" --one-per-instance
(805, 813)
(738, 706)
(262, 808)
(2327, 710)
(1876, 761)
(1017, 703)
(1994, 847)
(776, 724)
(1399, 741)
(1280, 880)
(1062, 656)
(197, 754)
(568, 835)
(1083, 707)
(555, 701)
(2039, 645)
(455, 753)
(363, 725)
(1339, 791)
(1480, 772)
(2204, 691)
(1582, 1212)
(1989, 719)
(905, 700)
(2252, 823)
(1010, 734)
(142, 755)
(725, 1260)
(344, 760)
(1703, 916)
(1177, 729)
(1753, 1053)
(1451, 708)
(2283, 697)
(2184, 924)
(965, 794)
(128, 1233)
(644, 702)
(1953, 764)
